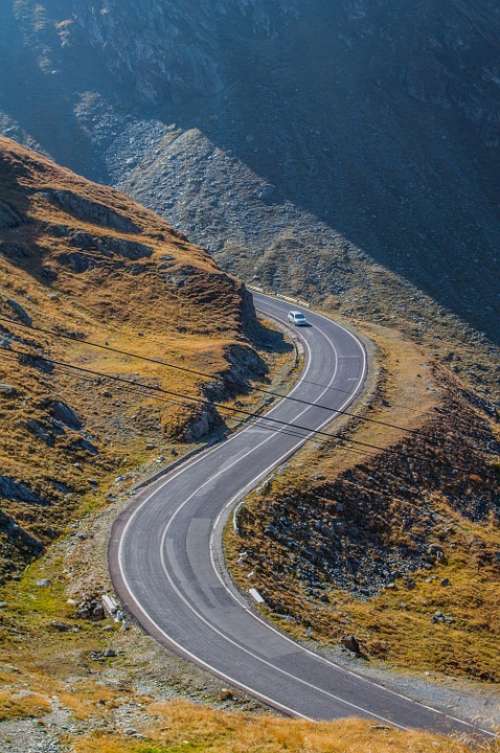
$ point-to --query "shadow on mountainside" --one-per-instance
(391, 158)
(383, 128)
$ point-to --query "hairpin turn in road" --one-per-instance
(165, 562)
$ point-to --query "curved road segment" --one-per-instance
(165, 554)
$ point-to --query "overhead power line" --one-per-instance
(205, 375)
(251, 414)
(139, 389)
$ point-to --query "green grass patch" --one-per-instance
(29, 600)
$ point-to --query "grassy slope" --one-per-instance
(171, 303)
(182, 727)
(395, 511)
(42, 668)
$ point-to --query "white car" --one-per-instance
(297, 318)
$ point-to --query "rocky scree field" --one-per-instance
(346, 151)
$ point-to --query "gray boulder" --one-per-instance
(7, 390)
(86, 446)
(15, 490)
(9, 217)
(40, 431)
(90, 211)
(62, 412)
(19, 312)
(351, 643)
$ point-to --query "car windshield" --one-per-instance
(299, 316)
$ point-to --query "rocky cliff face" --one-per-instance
(345, 149)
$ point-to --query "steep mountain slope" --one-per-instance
(85, 261)
(345, 150)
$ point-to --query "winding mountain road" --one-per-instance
(167, 566)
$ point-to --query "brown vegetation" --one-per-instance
(399, 551)
(184, 727)
(22, 705)
(81, 259)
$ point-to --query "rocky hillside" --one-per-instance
(345, 150)
(391, 552)
(86, 262)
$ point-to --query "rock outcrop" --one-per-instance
(9, 218)
(90, 211)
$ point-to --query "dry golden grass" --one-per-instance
(395, 625)
(90, 699)
(127, 304)
(61, 679)
(194, 729)
(138, 312)
(405, 379)
(23, 706)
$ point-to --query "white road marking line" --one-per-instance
(250, 485)
(202, 456)
(308, 651)
(312, 653)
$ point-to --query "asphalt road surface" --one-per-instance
(167, 567)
